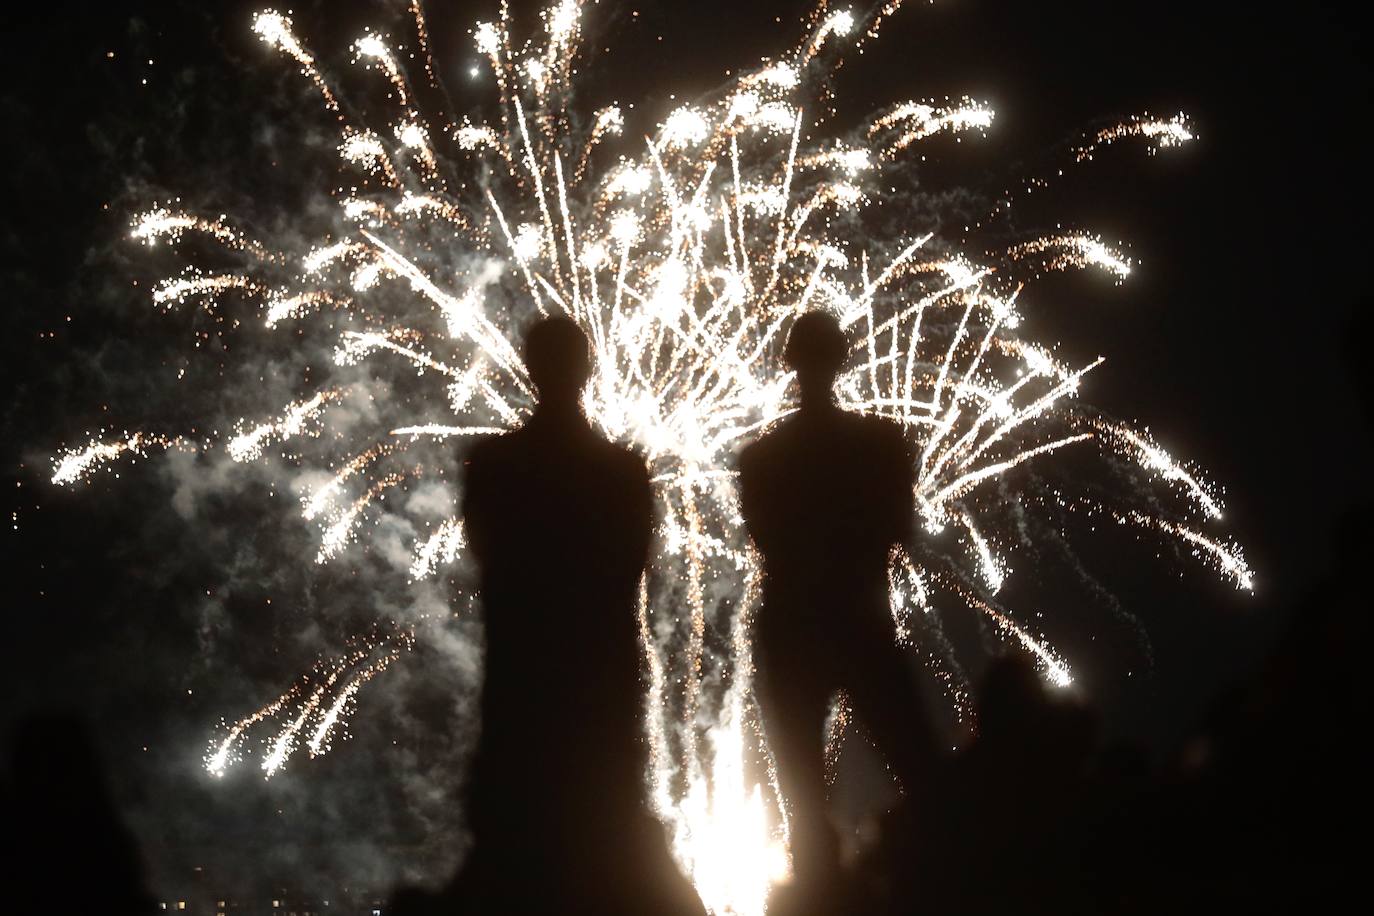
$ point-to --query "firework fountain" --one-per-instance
(685, 256)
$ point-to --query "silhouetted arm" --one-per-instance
(898, 469)
(475, 508)
(642, 511)
(913, 536)
(901, 458)
(753, 502)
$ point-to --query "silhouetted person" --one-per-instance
(560, 522)
(826, 496)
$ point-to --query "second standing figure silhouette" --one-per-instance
(560, 521)
(827, 495)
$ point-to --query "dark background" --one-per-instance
(1238, 341)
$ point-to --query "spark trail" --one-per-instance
(685, 257)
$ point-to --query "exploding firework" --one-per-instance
(685, 258)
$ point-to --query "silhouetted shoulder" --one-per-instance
(756, 461)
(631, 472)
(889, 458)
(629, 461)
(855, 429)
(486, 458)
(888, 434)
(769, 443)
(487, 452)
(751, 454)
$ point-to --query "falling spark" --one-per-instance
(78, 463)
(439, 550)
(1153, 456)
(161, 223)
(1228, 558)
(912, 121)
(1163, 132)
(275, 29)
(1074, 251)
(249, 445)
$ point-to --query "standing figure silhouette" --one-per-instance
(560, 522)
(826, 496)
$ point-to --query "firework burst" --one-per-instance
(685, 257)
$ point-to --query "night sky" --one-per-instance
(153, 611)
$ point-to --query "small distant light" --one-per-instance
(474, 72)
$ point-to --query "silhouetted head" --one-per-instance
(816, 349)
(558, 358)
